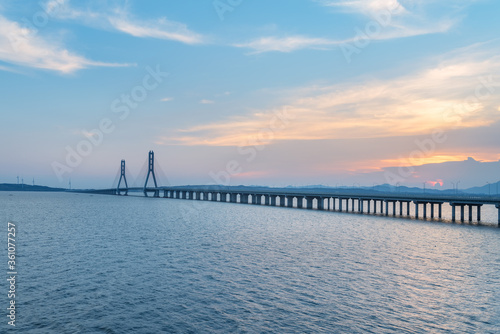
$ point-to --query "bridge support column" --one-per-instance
(382, 206)
(340, 204)
(470, 213)
(361, 206)
(214, 197)
(374, 206)
(300, 202)
(386, 207)
(368, 205)
(273, 200)
(453, 213)
(233, 198)
(440, 210)
(498, 209)
(394, 208)
(256, 199)
(289, 201)
(462, 213)
(408, 209)
(416, 210)
(425, 210)
(309, 203)
(400, 208)
(432, 210)
(479, 213)
(321, 203)
(244, 198)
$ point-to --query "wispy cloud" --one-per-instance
(444, 96)
(167, 99)
(120, 19)
(207, 101)
(285, 44)
(404, 18)
(24, 47)
(389, 18)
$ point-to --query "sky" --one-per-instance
(277, 93)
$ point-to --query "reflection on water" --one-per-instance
(122, 265)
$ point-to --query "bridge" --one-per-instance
(339, 200)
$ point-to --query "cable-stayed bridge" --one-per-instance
(339, 200)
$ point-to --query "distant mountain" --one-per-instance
(25, 187)
(491, 189)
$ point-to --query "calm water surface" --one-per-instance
(106, 264)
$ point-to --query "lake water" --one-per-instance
(109, 264)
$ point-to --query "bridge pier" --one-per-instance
(498, 209)
(244, 198)
(386, 207)
(300, 202)
(233, 198)
(254, 199)
(309, 203)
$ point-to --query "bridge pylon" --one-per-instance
(151, 171)
(122, 176)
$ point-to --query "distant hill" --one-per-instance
(25, 187)
(491, 189)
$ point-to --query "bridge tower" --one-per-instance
(122, 176)
(151, 170)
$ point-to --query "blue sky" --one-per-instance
(335, 92)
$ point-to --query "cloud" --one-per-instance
(285, 44)
(388, 19)
(460, 90)
(400, 18)
(121, 20)
(167, 99)
(161, 29)
(207, 101)
(22, 46)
